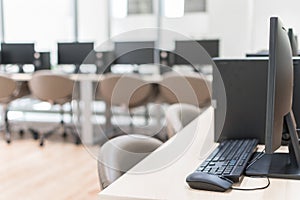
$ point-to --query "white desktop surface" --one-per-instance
(169, 182)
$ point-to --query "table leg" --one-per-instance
(86, 99)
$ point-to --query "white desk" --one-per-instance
(86, 98)
(169, 182)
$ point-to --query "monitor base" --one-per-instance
(276, 165)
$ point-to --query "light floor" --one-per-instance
(59, 170)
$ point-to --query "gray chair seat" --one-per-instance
(120, 154)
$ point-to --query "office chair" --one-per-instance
(121, 153)
(128, 91)
(11, 90)
(179, 115)
(191, 88)
(55, 89)
(8, 92)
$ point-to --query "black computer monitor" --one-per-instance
(261, 53)
(17, 53)
(294, 43)
(75, 53)
(188, 52)
(296, 93)
(134, 52)
(245, 84)
(278, 110)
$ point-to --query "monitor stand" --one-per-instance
(77, 69)
(20, 66)
(280, 165)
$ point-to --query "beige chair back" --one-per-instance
(179, 115)
(7, 88)
(129, 90)
(190, 89)
(51, 87)
(120, 154)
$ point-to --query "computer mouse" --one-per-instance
(204, 181)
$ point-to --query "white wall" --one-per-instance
(224, 20)
(43, 22)
(287, 10)
(133, 22)
(194, 25)
(93, 20)
(230, 21)
(242, 25)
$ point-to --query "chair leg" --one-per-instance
(7, 131)
(131, 119)
(62, 123)
(110, 130)
(72, 129)
(75, 135)
(108, 115)
(61, 126)
(42, 140)
(47, 134)
(146, 115)
(35, 134)
(21, 133)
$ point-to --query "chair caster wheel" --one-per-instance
(8, 141)
(64, 135)
(41, 143)
(35, 135)
(78, 141)
(21, 133)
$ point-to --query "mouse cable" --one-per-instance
(257, 157)
(258, 188)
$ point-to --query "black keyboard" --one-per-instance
(230, 158)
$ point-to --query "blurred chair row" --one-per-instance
(55, 89)
(129, 91)
(132, 91)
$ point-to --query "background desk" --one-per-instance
(86, 98)
(169, 182)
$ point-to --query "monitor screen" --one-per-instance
(293, 41)
(75, 53)
(17, 53)
(280, 84)
(296, 92)
(186, 52)
(138, 52)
